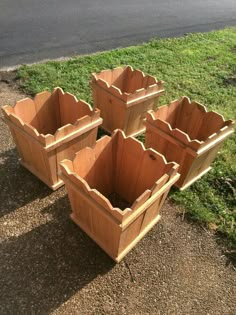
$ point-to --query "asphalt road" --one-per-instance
(33, 30)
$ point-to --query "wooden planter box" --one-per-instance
(124, 96)
(186, 133)
(140, 180)
(50, 128)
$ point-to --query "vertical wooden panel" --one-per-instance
(23, 147)
(52, 168)
(112, 110)
(128, 174)
(152, 140)
(96, 166)
(45, 113)
(211, 123)
(26, 111)
(118, 152)
(135, 81)
(135, 116)
(56, 105)
(118, 78)
(150, 170)
(184, 115)
(130, 233)
(150, 214)
(80, 209)
(106, 75)
(172, 113)
(71, 109)
(106, 232)
(201, 163)
(195, 122)
(103, 173)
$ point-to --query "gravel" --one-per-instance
(49, 266)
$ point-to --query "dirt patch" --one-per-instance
(48, 265)
(230, 81)
(234, 49)
(117, 201)
(211, 58)
(7, 76)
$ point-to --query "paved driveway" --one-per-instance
(32, 30)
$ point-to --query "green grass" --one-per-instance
(201, 66)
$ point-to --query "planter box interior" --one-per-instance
(117, 170)
(49, 128)
(124, 96)
(186, 133)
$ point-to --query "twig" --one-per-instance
(130, 272)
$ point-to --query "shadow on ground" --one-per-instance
(18, 185)
(46, 266)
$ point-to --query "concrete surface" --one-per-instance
(49, 266)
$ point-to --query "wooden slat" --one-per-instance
(95, 165)
(51, 166)
(130, 234)
(195, 121)
(151, 80)
(86, 153)
(112, 109)
(135, 81)
(118, 152)
(211, 123)
(129, 169)
(112, 215)
(159, 183)
(137, 239)
(14, 121)
(73, 135)
(71, 109)
(60, 151)
(31, 131)
(133, 117)
(136, 99)
(111, 253)
(172, 113)
(150, 170)
(105, 75)
(161, 113)
(184, 115)
(151, 140)
(25, 109)
(150, 214)
(103, 171)
(118, 78)
(45, 109)
(141, 199)
(7, 110)
(149, 202)
(56, 105)
(192, 147)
